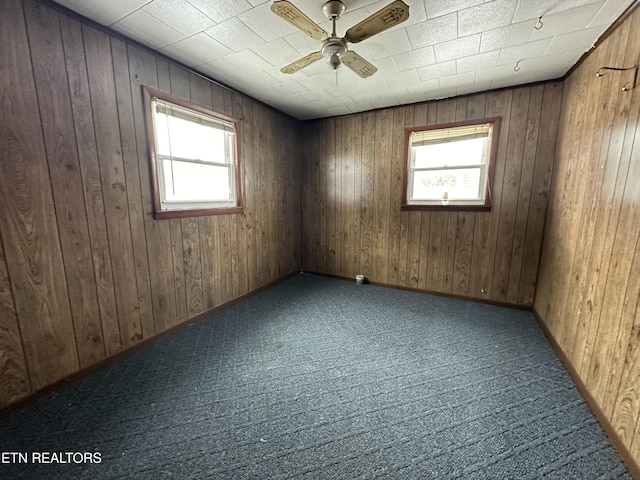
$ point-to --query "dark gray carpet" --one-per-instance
(319, 378)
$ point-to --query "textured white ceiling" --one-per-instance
(446, 48)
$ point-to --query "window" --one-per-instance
(450, 166)
(194, 158)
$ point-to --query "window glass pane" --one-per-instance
(450, 153)
(195, 182)
(459, 184)
(178, 137)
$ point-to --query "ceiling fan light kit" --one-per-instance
(335, 48)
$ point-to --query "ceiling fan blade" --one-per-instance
(387, 17)
(295, 17)
(358, 64)
(301, 63)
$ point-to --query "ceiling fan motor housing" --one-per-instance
(333, 48)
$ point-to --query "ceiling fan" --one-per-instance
(333, 47)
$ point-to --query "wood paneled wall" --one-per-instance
(85, 270)
(352, 189)
(590, 268)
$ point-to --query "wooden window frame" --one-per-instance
(149, 95)
(493, 153)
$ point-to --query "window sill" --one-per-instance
(165, 214)
(447, 208)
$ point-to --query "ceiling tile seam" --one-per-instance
(604, 4)
(460, 10)
(131, 13)
(159, 20)
(513, 14)
(194, 6)
(240, 20)
(187, 37)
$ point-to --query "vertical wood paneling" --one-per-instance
(626, 404)
(250, 174)
(271, 239)
(530, 141)
(66, 181)
(306, 161)
(264, 200)
(367, 176)
(14, 377)
(347, 175)
(109, 147)
(475, 254)
(268, 196)
(510, 192)
(438, 230)
(143, 71)
(571, 333)
(293, 172)
(82, 116)
(463, 249)
(338, 205)
(462, 237)
(181, 85)
(632, 367)
(85, 270)
(551, 103)
(497, 105)
(622, 394)
(381, 201)
(571, 175)
(192, 265)
(392, 257)
(241, 222)
(590, 271)
(606, 210)
(233, 278)
(30, 234)
(306, 193)
(217, 226)
(619, 390)
(624, 226)
(260, 218)
(407, 264)
(330, 180)
(421, 252)
(132, 176)
(280, 201)
(176, 81)
(200, 93)
(321, 244)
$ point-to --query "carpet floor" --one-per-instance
(319, 378)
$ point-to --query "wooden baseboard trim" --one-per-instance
(33, 396)
(629, 461)
(428, 292)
